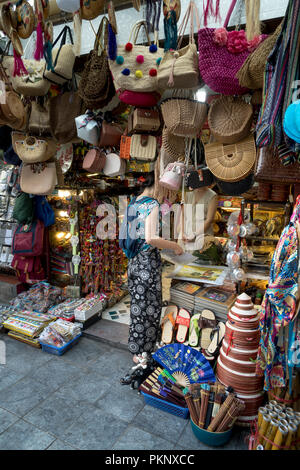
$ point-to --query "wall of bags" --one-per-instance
(129, 16)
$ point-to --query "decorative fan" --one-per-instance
(186, 364)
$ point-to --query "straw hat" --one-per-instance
(25, 19)
(173, 144)
(230, 119)
(231, 162)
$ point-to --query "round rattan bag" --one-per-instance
(173, 145)
(230, 119)
(184, 117)
(25, 19)
(231, 162)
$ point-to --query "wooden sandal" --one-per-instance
(194, 332)
(183, 320)
(168, 323)
(207, 322)
(217, 335)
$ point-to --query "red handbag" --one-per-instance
(28, 240)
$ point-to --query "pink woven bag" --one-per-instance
(221, 55)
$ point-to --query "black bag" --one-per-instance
(198, 175)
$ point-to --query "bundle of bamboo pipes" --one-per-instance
(283, 395)
(278, 428)
(211, 408)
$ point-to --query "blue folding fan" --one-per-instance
(185, 364)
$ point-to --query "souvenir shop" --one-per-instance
(193, 112)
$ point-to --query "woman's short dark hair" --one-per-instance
(146, 181)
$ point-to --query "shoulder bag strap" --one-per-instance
(101, 36)
(230, 11)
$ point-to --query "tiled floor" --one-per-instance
(76, 402)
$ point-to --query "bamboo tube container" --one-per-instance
(284, 422)
(263, 428)
(281, 415)
(273, 414)
(269, 407)
(279, 409)
(280, 437)
(291, 435)
(271, 432)
(261, 411)
(273, 403)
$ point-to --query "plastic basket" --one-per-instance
(211, 438)
(166, 406)
(59, 351)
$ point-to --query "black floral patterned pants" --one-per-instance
(144, 284)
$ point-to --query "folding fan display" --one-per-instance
(185, 364)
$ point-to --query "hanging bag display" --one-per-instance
(39, 121)
(64, 130)
(96, 87)
(222, 53)
(143, 147)
(38, 178)
(63, 59)
(134, 69)
(179, 68)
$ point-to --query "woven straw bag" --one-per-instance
(251, 74)
(90, 9)
(231, 162)
(135, 67)
(143, 148)
(179, 69)
(184, 117)
(230, 119)
(96, 87)
(63, 59)
(38, 178)
(32, 150)
(173, 145)
(32, 84)
(39, 121)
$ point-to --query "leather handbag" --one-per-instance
(198, 175)
(63, 59)
(38, 178)
(33, 150)
(114, 165)
(146, 120)
(64, 130)
(268, 167)
(94, 161)
(143, 148)
(39, 121)
(110, 135)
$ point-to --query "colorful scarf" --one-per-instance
(279, 305)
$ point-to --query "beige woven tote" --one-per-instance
(184, 117)
(180, 69)
(230, 119)
(173, 145)
(143, 147)
(251, 74)
(32, 150)
(32, 84)
(231, 162)
(136, 69)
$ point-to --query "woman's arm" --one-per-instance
(153, 239)
(211, 212)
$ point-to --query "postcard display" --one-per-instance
(236, 362)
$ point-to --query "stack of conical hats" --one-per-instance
(235, 365)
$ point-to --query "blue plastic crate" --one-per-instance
(59, 351)
(166, 406)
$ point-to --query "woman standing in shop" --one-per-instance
(144, 269)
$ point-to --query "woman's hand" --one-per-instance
(186, 239)
(178, 250)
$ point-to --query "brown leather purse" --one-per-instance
(110, 135)
(268, 167)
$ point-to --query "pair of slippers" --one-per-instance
(175, 318)
(204, 331)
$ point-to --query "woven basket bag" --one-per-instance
(231, 162)
(230, 119)
(251, 74)
(184, 117)
(173, 145)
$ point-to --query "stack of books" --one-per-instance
(183, 295)
(217, 300)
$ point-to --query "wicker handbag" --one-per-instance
(143, 148)
(25, 19)
(96, 86)
(230, 119)
(173, 145)
(32, 84)
(231, 162)
(184, 117)
(268, 167)
(63, 59)
(179, 69)
(38, 178)
(64, 130)
(251, 74)
(33, 150)
(135, 67)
